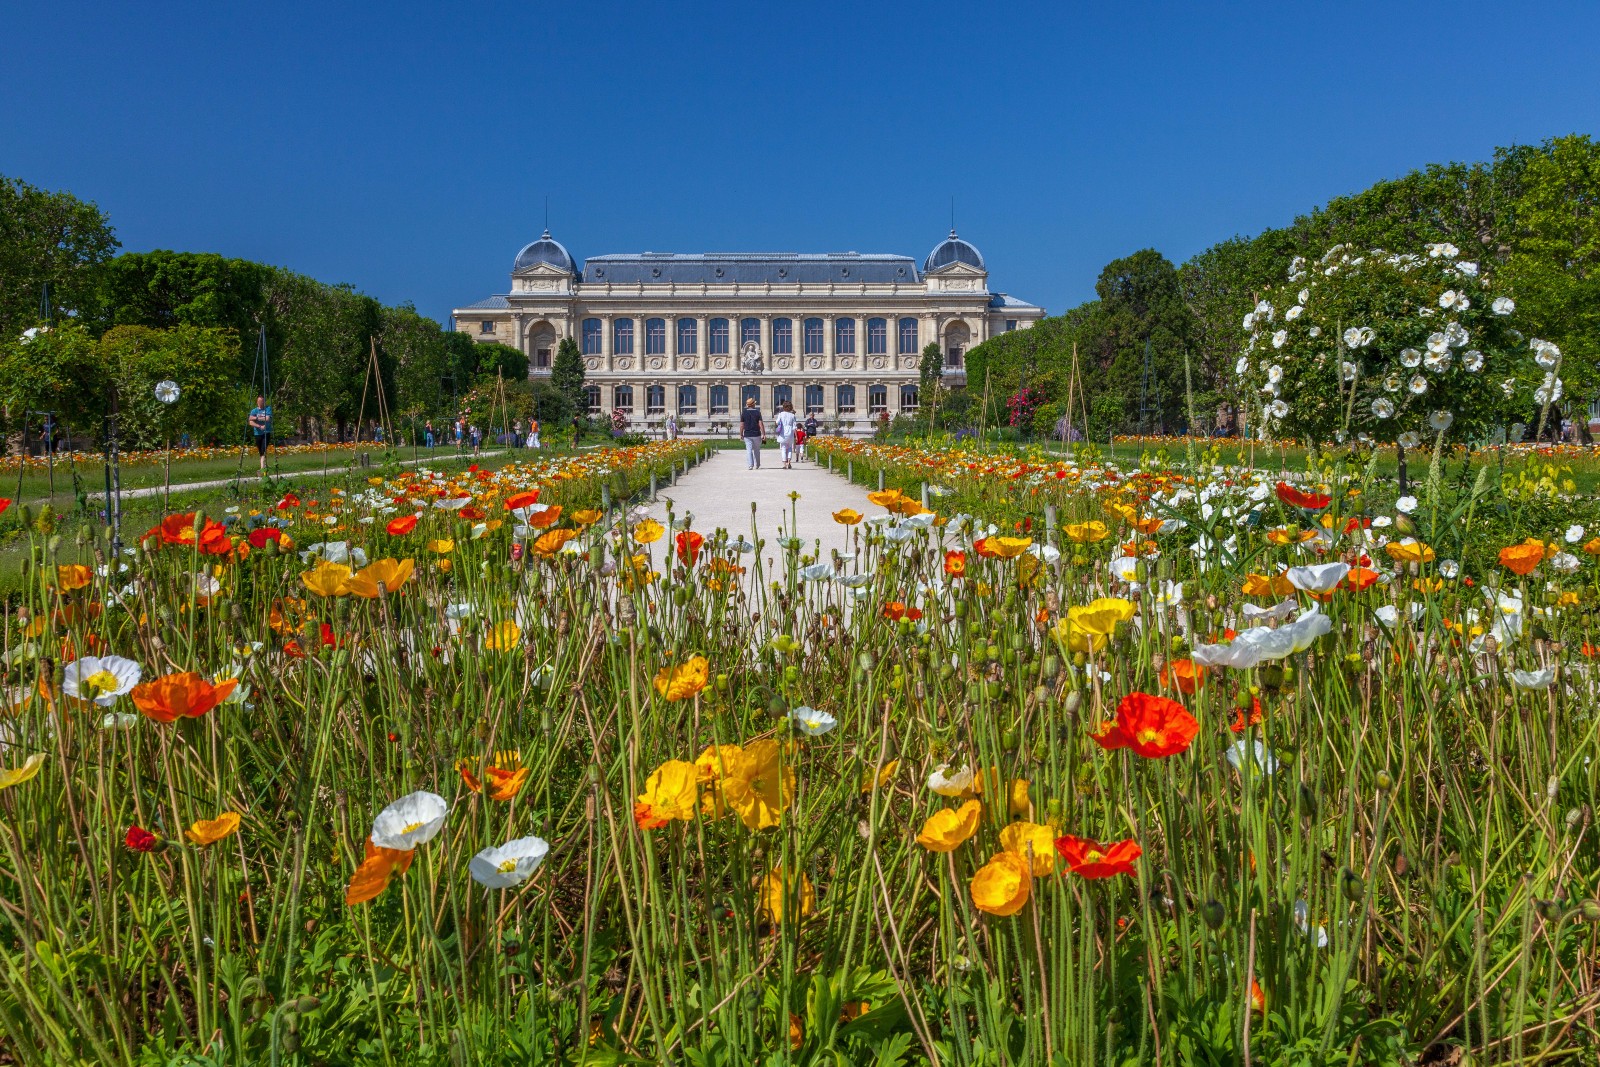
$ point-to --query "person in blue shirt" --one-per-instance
(261, 426)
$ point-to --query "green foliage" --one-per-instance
(566, 375)
(202, 360)
(496, 360)
(419, 352)
(61, 370)
(930, 368)
(46, 237)
(163, 289)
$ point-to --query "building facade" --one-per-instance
(839, 335)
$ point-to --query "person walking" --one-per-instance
(672, 427)
(754, 432)
(427, 433)
(261, 426)
(786, 425)
(577, 430)
(533, 433)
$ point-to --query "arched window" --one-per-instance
(655, 337)
(622, 398)
(781, 395)
(749, 330)
(844, 336)
(687, 341)
(908, 335)
(717, 338)
(813, 400)
(591, 399)
(719, 400)
(688, 400)
(813, 337)
(847, 400)
(622, 337)
(877, 336)
(592, 334)
(877, 398)
(908, 397)
(655, 399)
(782, 337)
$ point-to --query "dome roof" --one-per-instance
(545, 250)
(953, 250)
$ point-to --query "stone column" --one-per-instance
(605, 341)
(702, 340)
(830, 358)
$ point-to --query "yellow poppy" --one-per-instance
(847, 517)
(1087, 627)
(947, 828)
(1031, 840)
(1001, 886)
(869, 781)
(25, 773)
(327, 579)
(391, 574)
(503, 637)
(886, 498)
(210, 831)
(1262, 585)
(684, 680)
(648, 531)
(761, 786)
(442, 546)
(1086, 532)
(587, 517)
(670, 793)
(775, 892)
(1008, 547)
(1020, 804)
(70, 576)
(1409, 551)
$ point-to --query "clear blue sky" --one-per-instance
(408, 148)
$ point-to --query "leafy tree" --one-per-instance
(420, 354)
(566, 375)
(162, 289)
(930, 369)
(46, 237)
(325, 332)
(502, 361)
(60, 370)
(202, 360)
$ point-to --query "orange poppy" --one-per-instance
(377, 868)
(1360, 578)
(1088, 858)
(955, 564)
(1185, 674)
(1522, 559)
(547, 518)
(401, 526)
(689, 544)
(1153, 726)
(1300, 499)
(522, 500)
(186, 695)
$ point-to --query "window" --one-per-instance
(717, 338)
(486, 326)
(748, 393)
(781, 395)
(719, 400)
(813, 400)
(877, 336)
(541, 358)
(655, 399)
(847, 400)
(908, 397)
(813, 337)
(688, 400)
(952, 357)
(877, 398)
(908, 335)
(592, 333)
(844, 336)
(1011, 324)
(591, 399)
(655, 336)
(686, 336)
(622, 337)
(622, 398)
(750, 330)
(782, 337)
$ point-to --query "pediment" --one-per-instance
(540, 270)
(957, 270)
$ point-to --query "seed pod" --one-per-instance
(1073, 702)
(1214, 914)
(1574, 817)
(306, 1003)
(1552, 788)
(866, 661)
(1350, 885)
(1052, 666)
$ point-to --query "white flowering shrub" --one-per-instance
(1388, 348)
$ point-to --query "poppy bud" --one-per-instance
(1548, 910)
(1308, 799)
(722, 683)
(865, 661)
(1052, 666)
(1552, 788)
(974, 694)
(82, 537)
(25, 515)
(1350, 885)
(994, 689)
(1214, 914)
(1384, 781)
(1073, 702)
(1041, 694)
(1574, 816)
(199, 520)
(1590, 911)
(960, 609)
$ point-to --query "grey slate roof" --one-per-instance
(494, 303)
(953, 250)
(749, 268)
(545, 250)
(1005, 300)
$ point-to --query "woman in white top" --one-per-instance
(785, 426)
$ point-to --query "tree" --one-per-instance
(501, 361)
(566, 375)
(46, 237)
(420, 353)
(60, 370)
(202, 360)
(931, 369)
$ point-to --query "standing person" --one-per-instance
(754, 432)
(787, 423)
(427, 433)
(516, 433)
(672, 427)
(812, 426)
(261, 426)
(533, 433)
(461, 433)
(577, 429)
(800, 436)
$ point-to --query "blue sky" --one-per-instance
(408, 148)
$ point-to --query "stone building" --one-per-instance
(838, 334)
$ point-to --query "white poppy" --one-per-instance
(950, 783)
(510, 864)
(811, 722)
(1406, 505)
(454, 503)
(1436, 363)
(1564, 563)
(1321, 578)
(1277, 613)
(1278, 409)
(1383, 408)
(205, 584)
(1448, 299)
(1304, 297)
(1472, 360)
(816, 572)
(1456, 335)
(1275, 374)
(1255, 753)
(121, 721)
(1503, 305)
(101, 679)
(1391, 384)
(1409, 439)
(1550, 391)
(1449, 568)
(1417, 386)
(1293, 313)
(1438, 343)
(1352, 337)
(1540, 679)
(1545, 354)
(1410, 357)
(1348, 369)
(1302, 918)
(1574, 534)
(410, 821)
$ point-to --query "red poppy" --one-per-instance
(1088, 858)
(1357, 523)
(401, 526)
(1589, 651)
(471, 513)
(1154, 727)
(214, 540)
(473, 469)
(1241, 723)
(139, 839)
(325, 633)
(1300, 499)
(262, 534)
(981, 547)
(176, 529)
(293, 650)
(689, 544)
(289, 501)
(895, 611)
(1186, 674)
(1360, 578)
(955, 564)
(522, 500)
(5, 502)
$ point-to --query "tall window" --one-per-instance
(655, 337)
(782, 337)
(717, 338)
(622, 398)
(655, 399)
(591, 399)
(877, 336)
(908, 335)
(486, 326)
(622, 337)
(749, 330)
(687, 342)
(844, 336)
(541, 358)
(908, 397)
(750, 392)
(1011, 324)
(847, 400)
(813, 400)
(877, 398)
(813, 337)
(719, 400)
(688, 400)
(592, 336)
(781, 395)
(953, 357)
